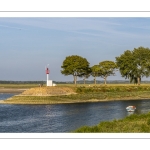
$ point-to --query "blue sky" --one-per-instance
(27, 44)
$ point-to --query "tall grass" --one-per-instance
(83, 89)
(131, 124)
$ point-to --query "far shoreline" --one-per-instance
(71, 102)
(13, 90)
(72, 95)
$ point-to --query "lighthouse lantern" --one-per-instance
(47, 71)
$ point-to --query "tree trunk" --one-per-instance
(84, 80)
(95, 80)
(75, 79)
(105, 80)
(138, 80)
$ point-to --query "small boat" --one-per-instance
(131, 108)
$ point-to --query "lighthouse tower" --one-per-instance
(49, 82)
(47, 72)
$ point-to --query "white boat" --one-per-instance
(131, 108)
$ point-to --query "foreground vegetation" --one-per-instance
(131, 124)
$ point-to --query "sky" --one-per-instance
(29, 44)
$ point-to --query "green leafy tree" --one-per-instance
(107, 68)
(75, 65)
(125, 64)
(95, 72)
(134, 64)
(86, 73)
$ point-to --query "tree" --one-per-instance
(134, 64)
(95, 70)
(125, 64)
(75, 65)
(107, 68)
(86, 73)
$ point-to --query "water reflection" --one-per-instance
(130, 113)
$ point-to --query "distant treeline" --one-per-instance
(70, 82)
(22, 82)
(102, 82)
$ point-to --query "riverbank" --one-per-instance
(42, 101)
(63, 95)
(130, 124)
(76, 98)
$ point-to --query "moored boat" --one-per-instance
(131, 108)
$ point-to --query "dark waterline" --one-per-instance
(62, 118)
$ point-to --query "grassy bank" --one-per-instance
(131, 124)
(63, 94)
(78, 98)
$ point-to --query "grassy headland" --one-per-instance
(80, 94)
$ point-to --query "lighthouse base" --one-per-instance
(49, 83)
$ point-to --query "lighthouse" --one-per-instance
(47, 73)
(49, 82)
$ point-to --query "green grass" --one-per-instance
(131, 124)
(108, 88)
(79, 98)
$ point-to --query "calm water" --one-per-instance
(62, 118)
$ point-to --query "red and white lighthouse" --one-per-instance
(49, 82)
(47, 73)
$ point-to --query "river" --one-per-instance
(62, 118)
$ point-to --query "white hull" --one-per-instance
(131, 108)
